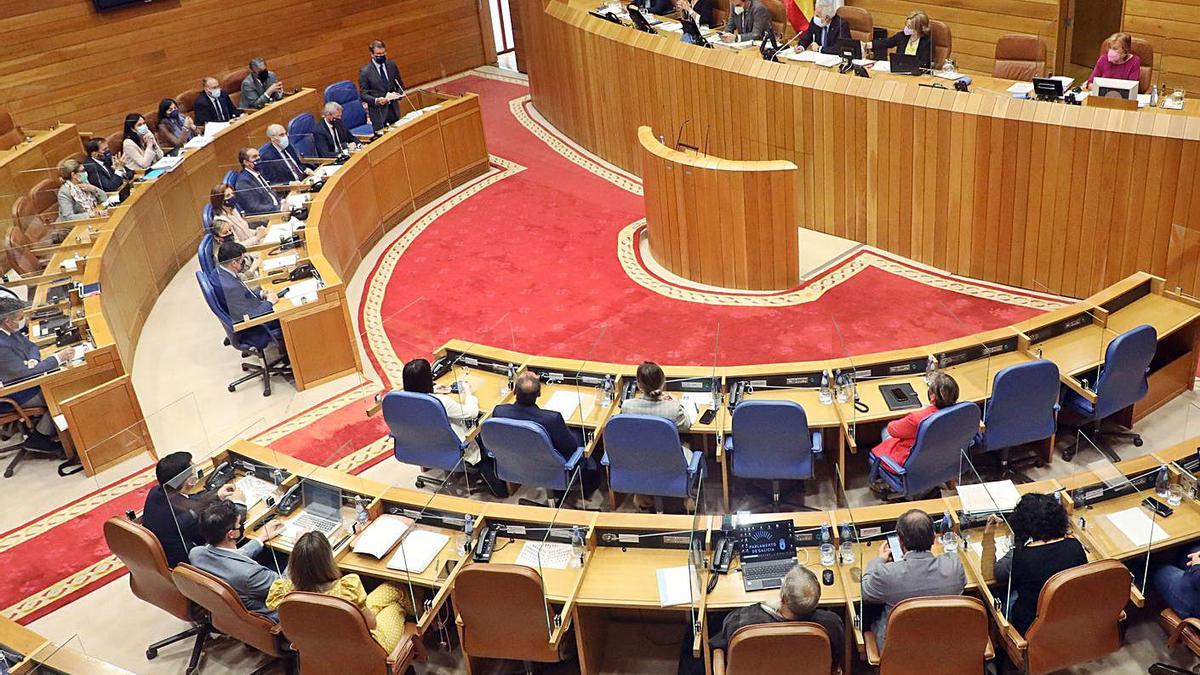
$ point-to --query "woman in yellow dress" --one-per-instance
(312, 569)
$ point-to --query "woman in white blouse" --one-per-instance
(140, 148)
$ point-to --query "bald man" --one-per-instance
(279, 162)
(213, 104)
(527, 389)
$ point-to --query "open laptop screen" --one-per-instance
(766, 541)
(322, 501)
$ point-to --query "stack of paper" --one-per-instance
(254, 489)
(167, 163)
(419, 549)
(327, 170)
(886, 67)
(278, 232)
(297, 200)
(991, 497)
(302, 288)
(1003, 543)
(197, 142)
(1137, 526)
(279, 262)
(675, 586)
(381, 535)
(80, 351)
(547, 555)
(565, 402)
(213, 128)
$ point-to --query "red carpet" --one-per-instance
(529, 263)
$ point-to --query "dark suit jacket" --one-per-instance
(240, 299)
(323, 140)
(705, 9)
(837, 29)
(252, 197)
(204, 111)
(899, 41)
(102, 175)
(552, 421)
(15, 350)
(751, 24)
(371, 87)
(272, 166)
(177, 526)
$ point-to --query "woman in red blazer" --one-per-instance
(900, 434)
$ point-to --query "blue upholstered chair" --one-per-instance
(421, 431)
(525, 455)
(644, 457)
(249, 341)
(230, 178)
(936, 453)
(1122, 383)
(771, 441)
(300, 135)
(353, 115)
(1023, 409)
(206, 217)
(204, 255)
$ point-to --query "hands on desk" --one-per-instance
(271, 296)
(885, 550)
(1193, 559)
(727, 37)
(63, 355)
(270, 530)
(227, 491)
(989, 527)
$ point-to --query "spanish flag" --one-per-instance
(798, 12)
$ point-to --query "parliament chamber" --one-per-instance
(928, 342)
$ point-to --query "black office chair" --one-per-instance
(13, 413)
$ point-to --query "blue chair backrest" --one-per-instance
(204, 253)
(771, 440)
(206, 217)
(346, 93)
(524, 453)
(1123, 380)
(937, 452)
(300, 134)
(212, 299)
(421, 429)
(1021, 409)
(645, 455)
(230, 178)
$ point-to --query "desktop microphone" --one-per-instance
(404, 94)
(962, 83)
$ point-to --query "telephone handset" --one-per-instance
(289, 501)
(485, 545)
(723, 553)
(222, 475)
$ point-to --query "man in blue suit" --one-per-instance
(280, 163)
(254, 193)
(527, 389)
(20, 359)
(240, 300)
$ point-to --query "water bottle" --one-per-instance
(361, 517)
(1154, 96)
(716, 394)
(841, 387)
(826, 396)
(464, 538)
(846, 551)
(931, 367)
(608, 390)
(826, 548)
(510, 381)
(577, 547)
(1162, 483)
(949, 541)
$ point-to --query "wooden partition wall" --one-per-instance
(1173, 29)
(1043, 196)
(61, 60)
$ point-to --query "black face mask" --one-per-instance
(381, 59)
(229, 202)
(263, 75)
(174, 114)
(107, 156)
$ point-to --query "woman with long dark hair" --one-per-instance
(140, 147)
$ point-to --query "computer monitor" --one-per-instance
(1047, 88)
(693, 31)
(639, 20)
(607, 17)
(322, 501)
(849, 48)
(766, 541)
(1109, 87)
(904, 64)
(878, 35)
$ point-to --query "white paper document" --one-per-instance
(990, 497)
(279, 262)
(167, 163)
(69, 265)
(886, 67)
(254, 489)
(197, 142)
(1003, 543)
(381, 535)
(564, 402)
(419, 549)
(297, 200)
(675, 586)
(1137, 527)
(1021, 89)
(213, 128)
(326, 170)
(304, 287)
(80, 351)
(954, 75)
(698, 399)
(547, 555)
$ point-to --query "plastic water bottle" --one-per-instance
(841, 387)
(825, 395)
(464, 538)
(1162, 483)
(827, 553)
(608, 390)
(577, 547)
(949, 541)
(846, 550)
(1154, 96)
(931, 367)
(361, 517)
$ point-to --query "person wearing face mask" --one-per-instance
(140, 147)
(380, 87)
(77, 198)
(241, 299)
(225, 211)
(698, 11)
(174, 128)
(330, 135)
(280, 164)
(914, 40)
(20, 358)
(172, 508)
(825, 29)
(748, 20)
(223, 525)
(1118, 61)
(254, 193)
(260, 87)
(104, 170)
(213, 104)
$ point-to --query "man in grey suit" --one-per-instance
(748, 20)
(21, 359)
(916, 573)
(221, 526)
(261, 86)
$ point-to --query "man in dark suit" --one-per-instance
(280, 163)
(103, 170)
(241, 300)
(254, 193)
(527, 389)
(824, 30)
(330, 135)
(380, 87)
(21, 359)
(748, 20)
(172, 514)
(213, 104)
(223, 526)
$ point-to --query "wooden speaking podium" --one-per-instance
(721, 222)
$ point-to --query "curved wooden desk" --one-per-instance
(1048, 197)
(721, 222)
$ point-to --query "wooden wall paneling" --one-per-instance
(316, 43)
(429, 177)
(1172, 28)
(465, 143)
(26, 165)
(107, 425)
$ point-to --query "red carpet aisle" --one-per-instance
(541, 262)
(55, 559)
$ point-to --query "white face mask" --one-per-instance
(819, 21)
(738, 9)
(283, 142)
(214, 93)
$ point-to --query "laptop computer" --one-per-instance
(904, 64)
(322, 509)
(767, 551)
